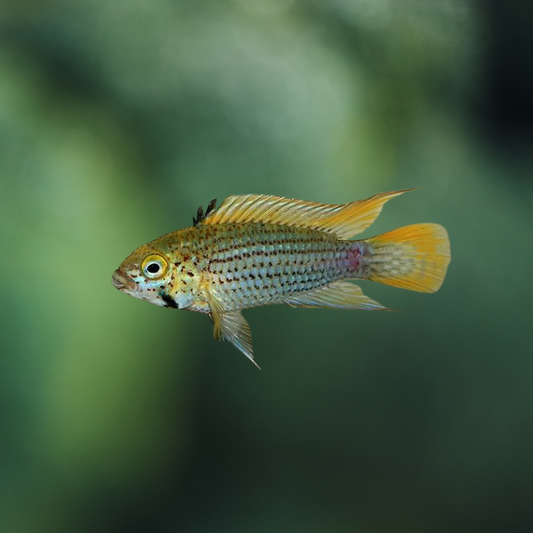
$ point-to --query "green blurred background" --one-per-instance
(118, 118)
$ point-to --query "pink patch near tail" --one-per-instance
(353, 258)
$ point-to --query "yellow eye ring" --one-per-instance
(154, 266)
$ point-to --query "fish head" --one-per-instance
(145, 274)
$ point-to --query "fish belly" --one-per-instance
(259, 264)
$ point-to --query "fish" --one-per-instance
(259, 250)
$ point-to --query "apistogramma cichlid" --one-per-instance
(257, 250)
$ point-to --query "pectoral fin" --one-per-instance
(232, 327)
(336, 295)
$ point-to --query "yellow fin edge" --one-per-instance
(344, 220)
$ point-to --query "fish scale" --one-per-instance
(271, 262)
(259, 249)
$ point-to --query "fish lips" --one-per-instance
(122, 282)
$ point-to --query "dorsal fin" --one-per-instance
(345, 220)
(200, 214)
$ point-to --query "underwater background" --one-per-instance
(117, 120)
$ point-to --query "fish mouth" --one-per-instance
(122, 282)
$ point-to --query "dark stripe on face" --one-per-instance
(169, 302)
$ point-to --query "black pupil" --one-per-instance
(153, 268)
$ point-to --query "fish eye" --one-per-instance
(154, 266)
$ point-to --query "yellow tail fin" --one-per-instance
(413, 257)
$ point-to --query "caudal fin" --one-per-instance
(413, 257)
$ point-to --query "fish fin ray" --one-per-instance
(414, 257)
(336, 295)
(232, 327)
(344, 220)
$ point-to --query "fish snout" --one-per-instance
(120, 281)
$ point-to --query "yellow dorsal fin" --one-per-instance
(345, 220)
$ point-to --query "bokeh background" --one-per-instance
(118, 118)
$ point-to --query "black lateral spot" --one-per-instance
(169, 302)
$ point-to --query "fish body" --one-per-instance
(258, 250)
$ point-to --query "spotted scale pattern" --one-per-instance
(257, 264)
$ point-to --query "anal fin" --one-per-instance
(336, 295)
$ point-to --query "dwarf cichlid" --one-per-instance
(257, 250)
